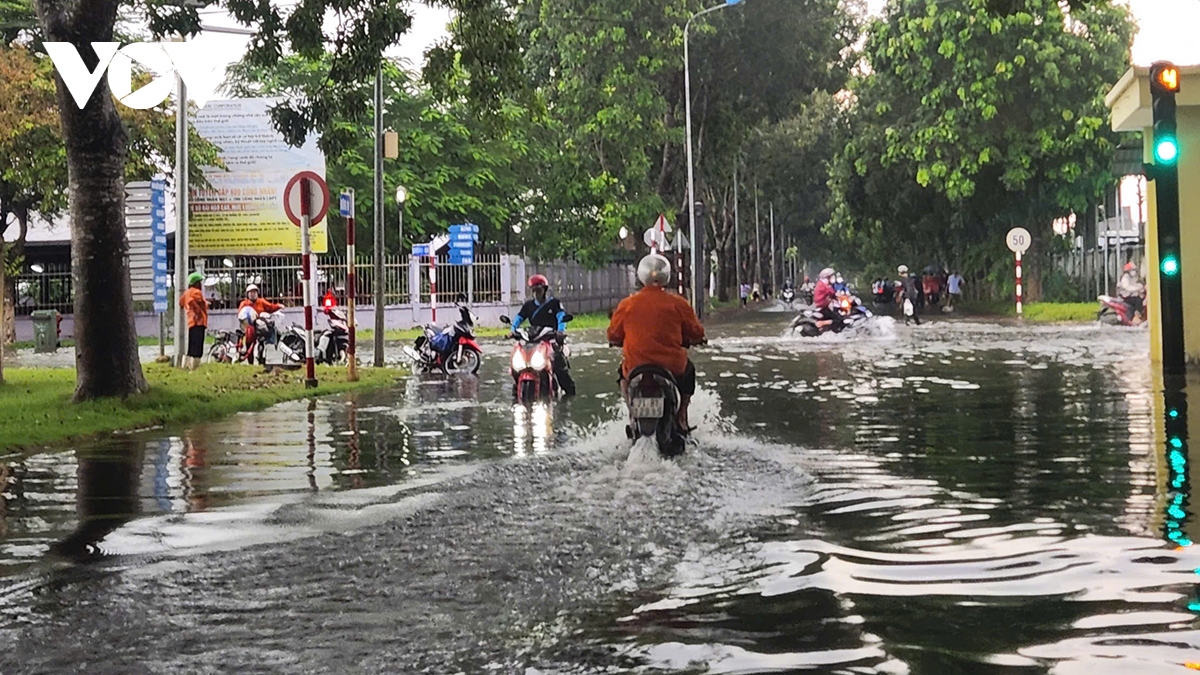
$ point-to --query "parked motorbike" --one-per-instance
(532, 362)
(225, 345)
(1114, 311)
(810, 322)
(333, 343)
(452, 349)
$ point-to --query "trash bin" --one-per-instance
(45, 330)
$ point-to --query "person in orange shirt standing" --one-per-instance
(655, 327)
(196, 307)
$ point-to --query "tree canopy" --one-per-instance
(969, 121)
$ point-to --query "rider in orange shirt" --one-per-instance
(655, 327)
(257, 306)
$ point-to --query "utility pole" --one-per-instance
(757, 246)
(379, 231)
(181, 217)
(737, 239)
(774, 284)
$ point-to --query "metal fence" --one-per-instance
(49, 288)
(279, 279)
(1096, 271)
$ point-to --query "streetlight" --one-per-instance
(401, 197)
(697, 243)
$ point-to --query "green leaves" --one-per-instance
(992, 116)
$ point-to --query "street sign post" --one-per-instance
(1018, 241)
(346, 208)
(158, 258)
(305, 200)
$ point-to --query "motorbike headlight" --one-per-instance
(537, 361)
(518, 360)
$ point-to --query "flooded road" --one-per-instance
(952, 498)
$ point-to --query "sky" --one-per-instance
(1166, 31)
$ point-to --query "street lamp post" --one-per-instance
(401, 197)
(697, 243)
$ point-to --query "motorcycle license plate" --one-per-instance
(645, 407)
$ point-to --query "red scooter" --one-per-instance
(1115, 312)
(532, 363)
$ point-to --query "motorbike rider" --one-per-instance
(545, 311)
(252, 307)
(1130, 290)
(825, 297)
(652, 326)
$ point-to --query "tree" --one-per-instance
(456, 167)
(971, 121)
(96, 139)
(611, 74)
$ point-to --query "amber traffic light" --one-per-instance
(1167, 78)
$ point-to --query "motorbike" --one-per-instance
(806, 293)
(532, 362)
(789, 296)
(652, 401)
(333, 343)
(883, 292)
(811, 322)
(225, 345)
(290, 342)
(1115, 312)
(452, 349)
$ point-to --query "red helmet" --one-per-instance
(538, 280)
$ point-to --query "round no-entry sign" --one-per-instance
(1018, 240)
(318, 193)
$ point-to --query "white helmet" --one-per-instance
(251, 287)
(826, 273)
(654, 270)
(903, 269)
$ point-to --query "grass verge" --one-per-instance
(1059, 312)
(1038, 312)
(36, 408)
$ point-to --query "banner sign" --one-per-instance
(244, 213)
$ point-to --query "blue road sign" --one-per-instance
(346, 204)
(458, 257)
(465, 227)
(462, 245)
(420, 250)
(158, 241)
(463, 236)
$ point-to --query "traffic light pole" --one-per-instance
(1164, 84)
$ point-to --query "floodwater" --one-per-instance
(951, 498)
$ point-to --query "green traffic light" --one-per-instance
(1166, 150)
(1170, 266)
